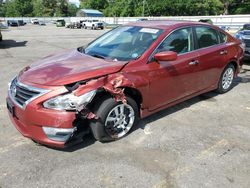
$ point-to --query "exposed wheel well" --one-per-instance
(234, 64)
(133, 93)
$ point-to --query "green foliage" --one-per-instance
(167, 7)
(49, 9)
(62, 8)
(239, 7)
(94, 4)
(38, 8)
(125, 8)
(18, 8)
(72, 9)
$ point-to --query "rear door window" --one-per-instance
(206, 37)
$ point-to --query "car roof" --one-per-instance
(166, 24)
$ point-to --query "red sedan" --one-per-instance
(126, 74)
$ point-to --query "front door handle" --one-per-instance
(223, 52)
(195, 62)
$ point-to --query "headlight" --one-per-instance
(69, 101)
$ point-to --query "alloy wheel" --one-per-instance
(120, 120)
(227, 78)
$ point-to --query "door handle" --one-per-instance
(195, 62)
(223, 52)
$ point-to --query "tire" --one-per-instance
(226, 79)
(103, 129)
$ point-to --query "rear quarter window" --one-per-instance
(223, 37)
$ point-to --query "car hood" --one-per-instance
(67, 67)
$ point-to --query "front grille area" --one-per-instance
(21, 93)
(247, 42)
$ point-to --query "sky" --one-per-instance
(75, 2)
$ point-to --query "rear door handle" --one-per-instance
(194, 62)
(223, 52)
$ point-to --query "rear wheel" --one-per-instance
(115, 119)
(226, 80)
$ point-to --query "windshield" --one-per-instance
(123, 43)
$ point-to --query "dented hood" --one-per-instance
(68, 67)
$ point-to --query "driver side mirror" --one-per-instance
(165, 56)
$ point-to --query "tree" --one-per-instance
(94, 4)
(72, 9)
(239, 7)
(226, 4)
(62, 8)
(49, 7)
(15, 8)
(2, 10)
(24, 7)
(38, 8)
(10, 10)
(125, 7)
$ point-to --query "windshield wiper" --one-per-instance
(97, 56)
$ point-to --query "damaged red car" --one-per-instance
(126, 74)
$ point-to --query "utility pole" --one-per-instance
(143, 8)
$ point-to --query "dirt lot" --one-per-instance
(203, 142)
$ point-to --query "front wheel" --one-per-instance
(226, 79)
(115, 119)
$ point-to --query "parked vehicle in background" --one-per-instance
(244, 36)
(68, 24)
(12, 23)
(60, 23)
(142, 19)
(53, 21)
(93, 24)
(42, 23)
(1, 36)
(74, 25)
(225, 28)
(21, 23)
(126, 74)
(3, 24)
(83, 23)
(35, 21)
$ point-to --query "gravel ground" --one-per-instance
(203, 142)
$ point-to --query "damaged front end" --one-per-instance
(71, 103)
(83, 97)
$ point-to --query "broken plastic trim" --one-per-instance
(113, 84)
